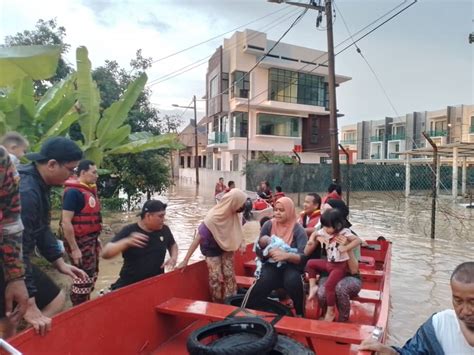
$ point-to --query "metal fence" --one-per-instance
(294, 178)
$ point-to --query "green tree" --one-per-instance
(45, 33)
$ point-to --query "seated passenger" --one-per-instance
(264, 245)
(334, 193)
(288, 275)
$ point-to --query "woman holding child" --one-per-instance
(220, 235)
(287, 268)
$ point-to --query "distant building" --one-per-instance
(280, 105)
(386, 138)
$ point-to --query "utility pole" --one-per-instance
(196, 157)
(336, 169)
(315, 5)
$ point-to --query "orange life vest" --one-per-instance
(89, 220)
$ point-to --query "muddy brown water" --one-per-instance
(421, 267)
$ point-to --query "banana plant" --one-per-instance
(108, 134)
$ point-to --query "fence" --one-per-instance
(295, 178)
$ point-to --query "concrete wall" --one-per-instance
(209, 177)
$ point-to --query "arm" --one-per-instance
(312, 244)
(119, 244)
(300, 239)
(171, 262)
(191, 250)
(353, 242)
(68, 232)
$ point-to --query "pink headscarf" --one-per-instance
(285, 230)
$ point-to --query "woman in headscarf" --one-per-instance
(288, 274)
(350, 285)
(219, 236)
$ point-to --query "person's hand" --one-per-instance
(342, 248)
(36, 319)
(322, 241)
(137, 240)
(16, 292)
(278, 255)
(72, 271)
(243, 248)
(340, 239)
(170, 264)
(76, 256)
(182, 265)
(371, 344)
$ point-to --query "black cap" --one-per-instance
(61, 149)
(153, 206)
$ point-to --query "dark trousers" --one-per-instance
(272, 278)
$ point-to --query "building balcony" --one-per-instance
(217, 138)
(393, 156)
(375, 156)
(376, 139)
(348, 141)
(441, 133)
(396, 137)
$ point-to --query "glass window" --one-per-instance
(240, 84)
(238, 124)
(301, 88)
(214, 86)
(225, 83)
(314, 130)
(276, 125)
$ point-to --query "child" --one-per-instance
(16, 145)
(332, 222)
(267, 243)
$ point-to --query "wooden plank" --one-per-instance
(338, 332)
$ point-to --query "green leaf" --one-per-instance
(164, 141)
(56, 102)
(136, 136)
(116, 137)
(116, 114)
(88, 95)
(18, 105)
(3, 124)
(35, 62)
(61, 126)
(95, 154)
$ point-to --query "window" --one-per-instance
(238, 124)
(439, 126)
(225, 83)
(276, 125)
(294, 87)
(214, 86)
(314, 130)
(381, 134)
(235, 160)
(399, 130)
(215, 124)
(240, 84)
(181, 161)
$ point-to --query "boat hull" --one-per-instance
(135, 319)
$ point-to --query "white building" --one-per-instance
(279, 107)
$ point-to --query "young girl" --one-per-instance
(332, 222)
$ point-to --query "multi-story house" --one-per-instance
(279, 107)
(387, 138)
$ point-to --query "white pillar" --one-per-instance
(407, 175)
(438, 175)
(464, 176)
(455, 172)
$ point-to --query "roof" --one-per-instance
(464, 150)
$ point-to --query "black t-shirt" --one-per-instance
(142, 263)
(73, 200)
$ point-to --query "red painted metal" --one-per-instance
(127, 321)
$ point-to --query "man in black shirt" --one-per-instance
(143, 246)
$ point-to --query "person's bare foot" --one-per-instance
(313, 291)
(330, 314)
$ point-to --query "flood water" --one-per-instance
(421, 267)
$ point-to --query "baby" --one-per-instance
(265, 244)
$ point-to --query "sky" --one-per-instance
(422, 58)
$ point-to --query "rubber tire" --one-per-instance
(262, 330)
(283, 346)
(268, 305)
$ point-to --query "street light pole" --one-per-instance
(196, 157)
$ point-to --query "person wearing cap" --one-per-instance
(81, 223)
(143, 246)
(52, 166)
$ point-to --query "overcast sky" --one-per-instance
(422, 57)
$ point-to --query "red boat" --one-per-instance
(157, 315)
